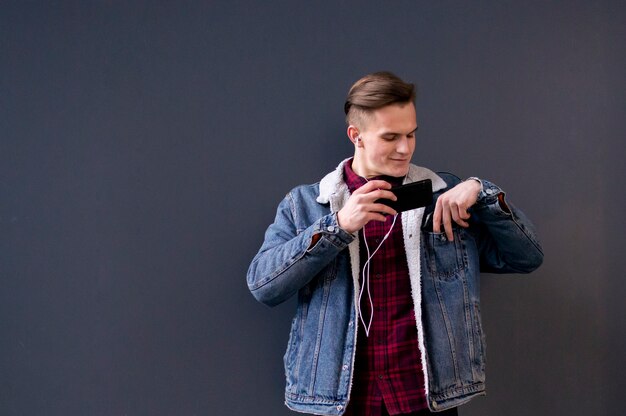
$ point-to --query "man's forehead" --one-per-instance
(395, 118)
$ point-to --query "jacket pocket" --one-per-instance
(445, 259)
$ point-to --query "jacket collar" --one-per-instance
(334, 190)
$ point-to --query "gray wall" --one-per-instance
(144, 147)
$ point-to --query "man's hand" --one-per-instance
(361, 208)
(453, 205)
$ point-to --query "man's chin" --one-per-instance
(398, 172)
(394, 170)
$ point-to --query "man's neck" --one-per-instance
(359, 169)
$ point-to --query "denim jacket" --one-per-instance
(319, 361)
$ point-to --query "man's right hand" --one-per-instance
(361, 208)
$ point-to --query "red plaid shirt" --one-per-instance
(388, 370)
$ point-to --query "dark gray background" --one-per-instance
(145, 145)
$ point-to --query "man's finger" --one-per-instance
(382, 194)
(462, 216)
(444, 218)
(454, 212)
(447, 224)
(437, 217)
(372, 186)
(383, 209)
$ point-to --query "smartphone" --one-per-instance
(410, 196)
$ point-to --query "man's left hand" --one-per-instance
(452, 205)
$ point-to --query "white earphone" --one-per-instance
(365, 281)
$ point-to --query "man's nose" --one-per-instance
(403, 145)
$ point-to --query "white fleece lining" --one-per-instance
(411, 229)
(334, 190)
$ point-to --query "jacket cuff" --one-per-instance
(488, 191)
(329, 227)
(491, 197)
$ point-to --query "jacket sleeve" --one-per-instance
(507, 240)
(291, 257)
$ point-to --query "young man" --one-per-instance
(388, 316)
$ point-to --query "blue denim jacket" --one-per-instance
(319, 360)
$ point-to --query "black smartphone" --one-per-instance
(410, 196)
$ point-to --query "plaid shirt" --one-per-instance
(388, 370)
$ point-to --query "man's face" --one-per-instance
(387, 141)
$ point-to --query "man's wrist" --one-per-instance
(480, 182)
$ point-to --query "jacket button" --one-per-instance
(340, 408)
(433, 404)
(345, 367)
(331, 229)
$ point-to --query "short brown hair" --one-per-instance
(375, 91)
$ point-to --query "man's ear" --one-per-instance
(353, 135)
